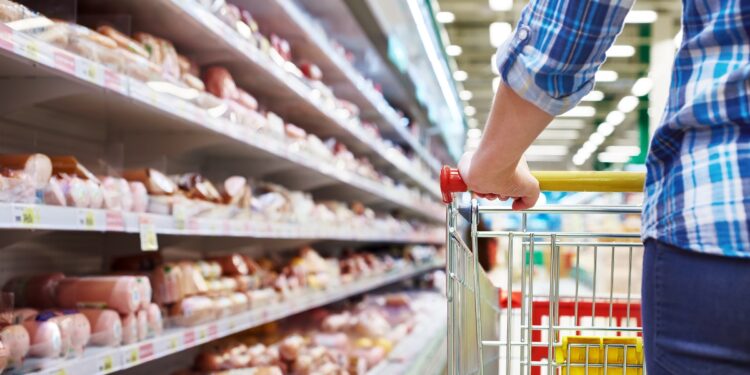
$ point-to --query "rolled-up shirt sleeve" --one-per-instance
(556, 49)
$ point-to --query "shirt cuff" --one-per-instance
(517, 60)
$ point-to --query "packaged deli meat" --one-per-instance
(76, 190)
(140, 196)
(45, 338)
(122, 40)
(106, 326)
(219, 82)
(162, 53)
(155, 182)
(16, 338)
(129, 328)
(120, 293)
(36, 291)
(37, 167)
(11, 11)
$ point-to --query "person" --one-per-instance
(696, 214)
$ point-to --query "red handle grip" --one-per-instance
(451, 182)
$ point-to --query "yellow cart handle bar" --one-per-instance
(451, 181)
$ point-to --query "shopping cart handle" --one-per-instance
(624, 182)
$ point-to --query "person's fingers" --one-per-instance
(524, 203)
(503, 197)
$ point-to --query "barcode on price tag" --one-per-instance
(149, 241)
(107, 364)
(26, 215)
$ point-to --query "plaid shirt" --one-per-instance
(698, 183)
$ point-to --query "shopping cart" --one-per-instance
(585, 319)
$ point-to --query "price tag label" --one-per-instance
(26, 215)
(149, 241)
(61, 371)
(202, 334)
(131, 357)
(180, 218)
(107, 364)
(173, 343)
(86, 219)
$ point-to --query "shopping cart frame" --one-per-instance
(471, 295)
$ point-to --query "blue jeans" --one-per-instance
(696, 312)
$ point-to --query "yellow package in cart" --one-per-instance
(576, 352)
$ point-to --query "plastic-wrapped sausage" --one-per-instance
(16, 339)
(192, 310)
(121, 293)
(80, 330)
(36, 291)
(129, 328)
(155, 320)
(45, 338)
(156, 183)
(37, 166)
(232, 265)
(123, 41)
(142, 322)
(140, 196)
(106, 326)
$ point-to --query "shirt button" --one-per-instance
(523, 34)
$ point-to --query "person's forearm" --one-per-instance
(512, 126)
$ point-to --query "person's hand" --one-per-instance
(516, 183)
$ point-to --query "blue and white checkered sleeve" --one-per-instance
(557, 48)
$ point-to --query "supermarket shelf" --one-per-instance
(424, 351)
(203, 36)
(42, 217)
(285, 18)
(74, 85)
(107, 360)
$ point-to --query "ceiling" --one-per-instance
(470, 31)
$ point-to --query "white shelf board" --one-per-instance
(96, 361)
(285, 18)
(201, 35)
(43, 217)
(133, 106)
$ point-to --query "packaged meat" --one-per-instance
(192, 310)
(116, 194)
(37, 166)
(155, 182)
(246, 99)
(24, 314)
(4, 356)
(106, 326)
(144, 288)
(65, 324)
(123, 41)
(155, 320)
(54, 194)
(236, 191)
(192, 280)
(120, 293)
(80, 330)
(17, 187)
(45, 338)
(311, 71)
(16, 340)
(11, 11)
(162, 53)
(219, 82)
(89, 44)
(142, 321)
(129, 328)
(193, 82)
(96, 196)
(140, 196)
(166, 281)
(282, 47)
(196, 187)
(232, 265)
(76, 190)
(36, 291)
(294, 132)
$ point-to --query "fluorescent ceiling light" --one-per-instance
(559, 123)
(460, 75)
(474, 133)
(453, 50)
(493, 64)
(627, 104)
(579, 159)
(473, 123)
(606, 76)
(627, 150)
(465, 95)
(615, 118)
(580, 111)
(593, 96)
(550, 150)
(596, 139)
(621, 51)
(495, 84)
(470, 111)
(499, 32)
(501, 5)
(641, 16)
(445, 17)
(552, 134)
(589, 147)
(642, 86)
(607, 157)
(605, 129)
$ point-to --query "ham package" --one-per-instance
(121, 293)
